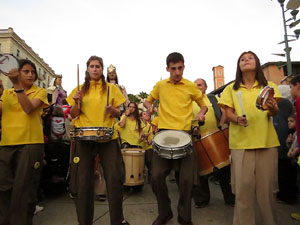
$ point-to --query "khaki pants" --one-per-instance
(254, 179)
(82, 179)
(20, 170)
(160, 170)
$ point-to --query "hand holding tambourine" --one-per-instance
(265, 99)
(7, 63)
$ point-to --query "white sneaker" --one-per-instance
(38, 209)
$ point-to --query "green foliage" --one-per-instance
(133, 98)
(143, 95)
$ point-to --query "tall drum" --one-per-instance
(213, 150)
(134, 160)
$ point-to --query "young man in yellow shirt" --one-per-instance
(176, 96)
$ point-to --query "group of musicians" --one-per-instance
(96, 103)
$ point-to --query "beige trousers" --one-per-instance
(254, 180)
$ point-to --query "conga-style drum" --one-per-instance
(213, 150)
(134, 160)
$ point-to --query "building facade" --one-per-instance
(219, 79)
(11, 43)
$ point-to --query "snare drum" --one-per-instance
(172, 144)
(98, 134)
(213, 150)
(7, 63)
(134, 160)
(266, 93)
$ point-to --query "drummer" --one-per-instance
(130, 127)
(214, 118)
(253, 143)
(92, 106)
(22, 145)
(176, 95)
(146, 139)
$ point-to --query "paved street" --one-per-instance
(141, 209)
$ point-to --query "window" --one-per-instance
(18, 53)
(44, 85)
(0, 47)
(220, 83)
(44, 75)
(219, 73)
(39, 83)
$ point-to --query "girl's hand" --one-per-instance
(14, 76)
(77, 97)
(242, 120)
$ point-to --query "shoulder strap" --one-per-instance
(218, 113)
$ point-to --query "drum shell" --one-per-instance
(213, 150)
(172, 152)
(134, 160)
(98, 134)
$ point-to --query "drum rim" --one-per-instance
(12, 57)
(178, 131)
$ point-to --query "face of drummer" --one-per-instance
(58, 81)
(95, 70)
(131, 108)
(145, 116)
(247, 63)
(176, 71)
(201, 85)
(27, 75)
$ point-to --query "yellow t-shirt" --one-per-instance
(18, 127)
(260, 132)
(93, 106)
(147, 129)
(155, 121)
(210, 118)
(176, 103)
(130, 133)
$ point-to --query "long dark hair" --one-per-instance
(86, 85)
(136, 115)
(23, 62)
(259, 75)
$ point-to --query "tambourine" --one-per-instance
(266, 93)
(7, 63)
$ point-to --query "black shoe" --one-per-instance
(124, 222)
(182, 222)
(201, 204)
(230, 201)
(162, 220)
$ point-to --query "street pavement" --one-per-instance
(141, 209)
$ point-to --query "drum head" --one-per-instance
(172, 138)
(7, 63)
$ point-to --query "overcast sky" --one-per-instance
(137, 35)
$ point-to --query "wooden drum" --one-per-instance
(213, 150)
(134, 160)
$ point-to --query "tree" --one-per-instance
(133, 98)
(143, 95)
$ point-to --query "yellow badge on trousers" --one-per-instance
(76, 160)
(36, 165)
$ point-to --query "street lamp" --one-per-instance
(291, 5)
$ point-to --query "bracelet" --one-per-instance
(19, 90)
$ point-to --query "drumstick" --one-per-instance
(239, 97)
(107, 95)
(78, 83)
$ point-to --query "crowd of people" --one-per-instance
(86, 130)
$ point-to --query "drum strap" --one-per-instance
(218, 113)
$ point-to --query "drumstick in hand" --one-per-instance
(107, 95)
(239, 97)
(78, 83)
